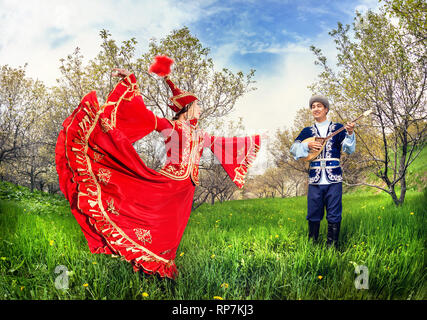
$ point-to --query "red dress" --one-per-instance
(123, 206)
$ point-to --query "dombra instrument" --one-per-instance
(313, 153)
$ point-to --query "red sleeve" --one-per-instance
(131, 116)
(236, 154)
(165, 126)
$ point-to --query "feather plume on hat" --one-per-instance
(162, 67)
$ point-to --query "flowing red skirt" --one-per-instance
(122, 206)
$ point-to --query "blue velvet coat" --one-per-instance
(332, 150)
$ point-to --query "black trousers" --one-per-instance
(324, 196)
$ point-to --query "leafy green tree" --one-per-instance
(412, 15)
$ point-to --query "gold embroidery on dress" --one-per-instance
(106, 125)
(111, 207)
(143, 235)
(104, 175)
(169, 170)
(242, 169)
(239, 177)
(97, 156)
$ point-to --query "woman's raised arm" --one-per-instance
(131, 115)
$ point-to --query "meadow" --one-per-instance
(245, 249)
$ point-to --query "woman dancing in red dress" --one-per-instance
(123, 206)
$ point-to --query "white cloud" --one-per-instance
(41, 32)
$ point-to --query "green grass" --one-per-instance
(417, 177)
(259, 248)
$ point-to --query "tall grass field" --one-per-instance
(247, 249)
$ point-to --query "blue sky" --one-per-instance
(245, 34)
(261, 31)
(271, 36)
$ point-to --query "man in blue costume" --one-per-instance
(325, 173)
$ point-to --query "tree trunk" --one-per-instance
(394, 195)
(32, 180)
(402, 190)
(402, 165)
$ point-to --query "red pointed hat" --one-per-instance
(180, 98)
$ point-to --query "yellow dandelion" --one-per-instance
(230, 245)
(320, 277)
(86, 285)
(411, 213)
(382, 208)
(145, 294)
(181, 254)
(51, 242)
(218, 298)
(94, 262)
(225, 285)
(22, 288)
(212, 256)
(277, 235)
(3, 258)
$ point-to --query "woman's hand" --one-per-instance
(117, 72)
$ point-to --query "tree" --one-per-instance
(36, 162)
(16, 110)
(259, 187)
(278, 180)
(380, 67)
(412, 20)
(23, 104)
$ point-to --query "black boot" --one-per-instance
(333, 233)
(313, 230)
